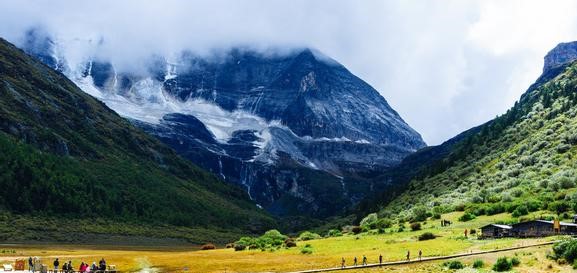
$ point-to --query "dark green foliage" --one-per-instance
(478, 264)
(566, 250)
(515, 261)
(334, 233)
(357, 229)
(454, 264)
(420, 214)
(427, 236)
(307, 249)
(467, 216)
(520, 211)
(307, 235)
(415, 226)
(289, 242)
(65, 154)
(384, 223)
(559, 207)
(502, 264)
(270, 240)
(370, 221)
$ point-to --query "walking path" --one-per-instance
(426, 259)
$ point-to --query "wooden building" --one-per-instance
(495, 231)
(542, 228)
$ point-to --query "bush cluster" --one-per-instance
(566, 250)
(427, 236)
(271, 239)
(454, 264)
(307, 235)
(505, 264)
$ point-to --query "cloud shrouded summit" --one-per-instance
(444, 65)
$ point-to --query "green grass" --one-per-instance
(320, 253)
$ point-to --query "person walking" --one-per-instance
(30, 264)
(420, 254)
(343, 262)
(408, 255)
(355, 262)
(364, 260)
(380, 259)
(56, 265)
(466, 233)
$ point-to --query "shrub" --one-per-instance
(384, 223)
(239, 247)
(270, 239)
(460, 207)
(207, 247)
(454, 265)
(420, 214)
(415, 226)
(566, 250)
(231, 245)
(562, 148)
(357, 229)
(334, 233)
(502, 264)
(515, 261)
(559, 207)
(307, 249)
(520, 211)
(307, 235)
(290, 243)
(566, 183)
(467, 216)
(370, 221)
(426, 236)
(495, 209)
(478, 264)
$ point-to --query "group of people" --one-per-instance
(68, 268)
(365, 262)
(84, 267)
(409, 255)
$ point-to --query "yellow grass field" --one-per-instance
(326, 253)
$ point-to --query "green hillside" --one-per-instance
(522, 161)
(66, 155)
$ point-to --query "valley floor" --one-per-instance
(326, 253)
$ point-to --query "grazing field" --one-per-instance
(325, 252)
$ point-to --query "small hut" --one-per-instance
(495, 231)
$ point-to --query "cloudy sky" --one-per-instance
(445, 66)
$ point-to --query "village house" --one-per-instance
(495, 231)
(532, 228)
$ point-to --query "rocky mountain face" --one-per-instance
(65, 154)
(562, 54)
(298, 131)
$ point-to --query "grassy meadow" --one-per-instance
(326, 252)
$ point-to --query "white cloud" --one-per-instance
(444, 65)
